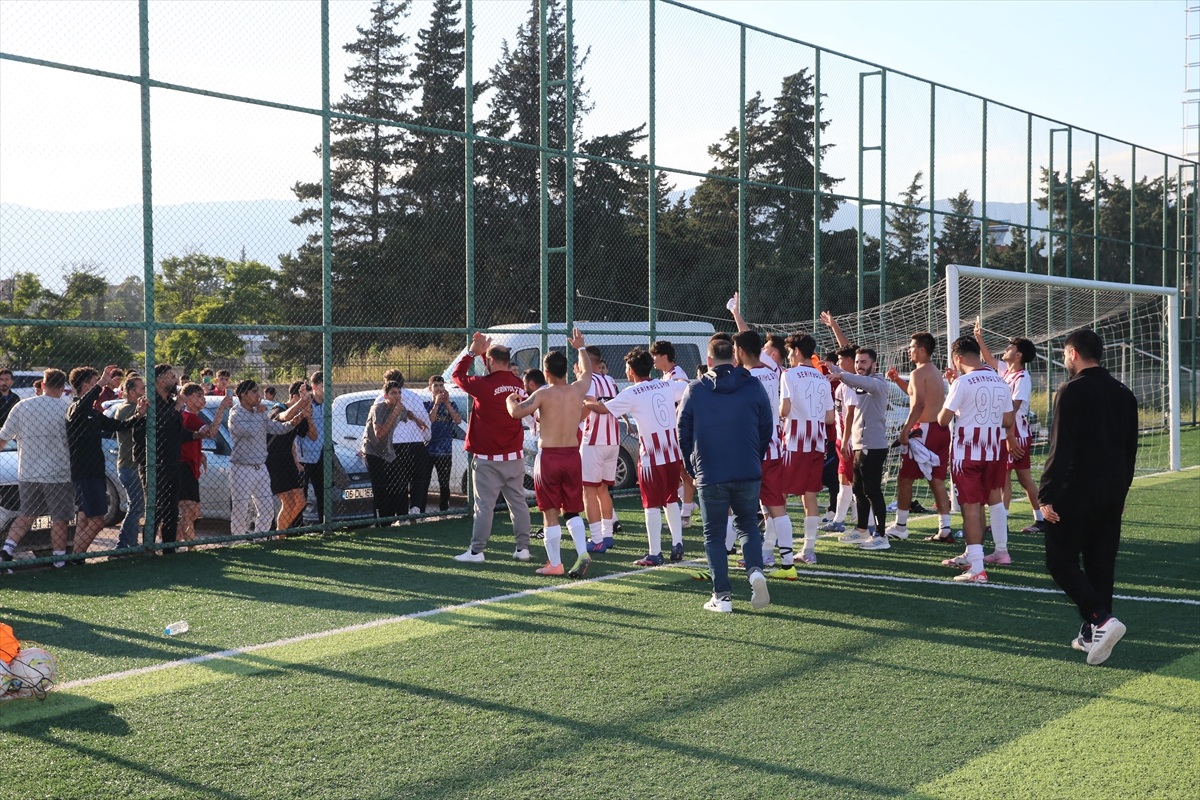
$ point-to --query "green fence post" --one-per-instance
(569, 195)
(743, 173)
(149, 532)
(882, 198)
(328, 453)
(469, 159)
(1028, 212)
(816, 215)
(932, 265)
(984, 238)
(652, 216)
(543, 175)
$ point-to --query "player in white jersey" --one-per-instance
(1012, 366)
(599, 449)
(652, 403)
(980, 404)
(805, 408)
(664, 361)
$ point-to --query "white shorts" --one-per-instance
(599, 463)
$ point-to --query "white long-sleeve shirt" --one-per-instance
(249, 431)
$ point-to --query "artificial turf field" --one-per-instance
(847, 685)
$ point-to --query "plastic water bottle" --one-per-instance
(177, 627)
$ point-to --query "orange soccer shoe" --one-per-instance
(549, 570)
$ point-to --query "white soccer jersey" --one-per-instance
(677, 374)
(811, 396)
(768, 375)
(843, 398)
(1021, 387)
(652, 404)
(978, 400)
(601, 429)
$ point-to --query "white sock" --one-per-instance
(845, 498)
(730, 534)
(902, 517)
(975, 558)
(1037, 515)
(943, 521)
(10, 547)
(685, 510)
(607, 526)
(783, 535)
(553, 542)
(674, 523)
(770, 536)
(999, 517)
(578, 535)
(597, 531)
(654, 530)
(870, 519)
(810, 533)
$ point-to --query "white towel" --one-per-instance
(925, 458)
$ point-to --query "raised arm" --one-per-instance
(583, 382)
(893, 375)
(832, 324)
(479, 346)
(518, 408)
(735, 308)
(867, 383)
(984, 352)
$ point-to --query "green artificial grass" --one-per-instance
(843, 687)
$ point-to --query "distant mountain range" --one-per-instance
(49, 243)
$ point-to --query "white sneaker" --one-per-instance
(854, 537)
(722, 605)
(808, 557)
(875, 543)
(474, 558)
(897, 532)
(759, 596)
(1104, 637)
(892, 506)
(686, 522)
(521, 555)
(414, 510)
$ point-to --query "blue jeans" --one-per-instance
(715, 502)
(131, 528)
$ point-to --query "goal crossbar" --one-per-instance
(955, 272)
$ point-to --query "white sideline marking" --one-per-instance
(237, 651)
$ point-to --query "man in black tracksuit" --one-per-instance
(1093, 449)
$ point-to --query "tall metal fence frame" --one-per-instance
(1180, 259)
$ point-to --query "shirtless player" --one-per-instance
(925, 395)
(558, 470)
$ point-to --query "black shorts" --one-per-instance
(284, 476)
(189, 484)
(91, 496)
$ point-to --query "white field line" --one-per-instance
(237, 651)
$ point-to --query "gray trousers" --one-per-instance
(491, 479)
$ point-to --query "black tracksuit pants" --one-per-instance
(1089, 531)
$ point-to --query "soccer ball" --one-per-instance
(33, 672)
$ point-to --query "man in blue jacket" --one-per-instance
(725, 426)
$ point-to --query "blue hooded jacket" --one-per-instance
(725, 425)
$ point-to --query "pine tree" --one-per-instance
(907, 243)
(958, 242)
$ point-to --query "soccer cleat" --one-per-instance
(1000, 557)
(617, 527)
(971, 577)
(897, 532)
(760, 598)
(808, 557)
(892, 506)
(958, 562)
(473, 558)
(1038, 527)
(722, 604)
(854, 537)
(609, 544)
(833, 527)
(521, 555)
(685, 522)
(650, 560)
(596, 547)
(581, 567)
(768, 559)
(677, 552)
(557, 569)
(916, 508)
(785, 573)
(540, 533)
(1104, 637)
(702, 575)
(1083, 641)
(875, 543)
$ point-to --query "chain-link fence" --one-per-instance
(439, 167)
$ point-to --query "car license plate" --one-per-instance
(358, 494)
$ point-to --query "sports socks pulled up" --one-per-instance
(999, 517)
(578, 537)
(674, 523)
(553, 542)
(783, 534)
(654, 530)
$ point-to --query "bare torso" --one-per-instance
(559, 410)
(930, 381)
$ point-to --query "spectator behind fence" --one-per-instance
(444, 419)
(131, 460)
(86, 426)
(221, 386)
(311, 447)
(37, 388)
(408, 439)
(39, 424)
(377, 447)
(282, 464)
(192, 461)
(249, 481)
(109, 389)
(8, 398)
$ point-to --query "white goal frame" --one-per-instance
(954, 320)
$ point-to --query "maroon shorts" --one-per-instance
(1023, 461)
(558, 479)
(802, 471)
(659, 483)
(845, 468)
(975, 480)
(936, 438)
(771, 494)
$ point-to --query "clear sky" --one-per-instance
(70, 142)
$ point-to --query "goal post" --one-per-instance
(1149, 314)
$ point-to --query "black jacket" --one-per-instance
(7, 401)
(725, 426)
(85, 429)
(1093, 440)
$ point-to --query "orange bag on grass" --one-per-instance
(8, 644)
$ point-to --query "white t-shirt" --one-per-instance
(677, 374)
(1021, 387)
(601, 429)
(39, 424)
(407, 432)
(811, 396)
(768, 375)
(652, 404)
(979, 400)
(843, 398)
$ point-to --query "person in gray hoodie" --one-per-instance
(725, 427)
(868, 439)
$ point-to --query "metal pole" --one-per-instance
(469, 157)
(652, 215)
(816, 216)
(983, 222)
(1165, 210)
(1028, 210)
(327, 452)
(1132, 248)
(1096, 226)
(861, 263)
(1174, 357)
(882, 196)
(569, 190)
(743, 173)
(932, 269)
(151, 527)
(1070, 230)
(544, 174)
